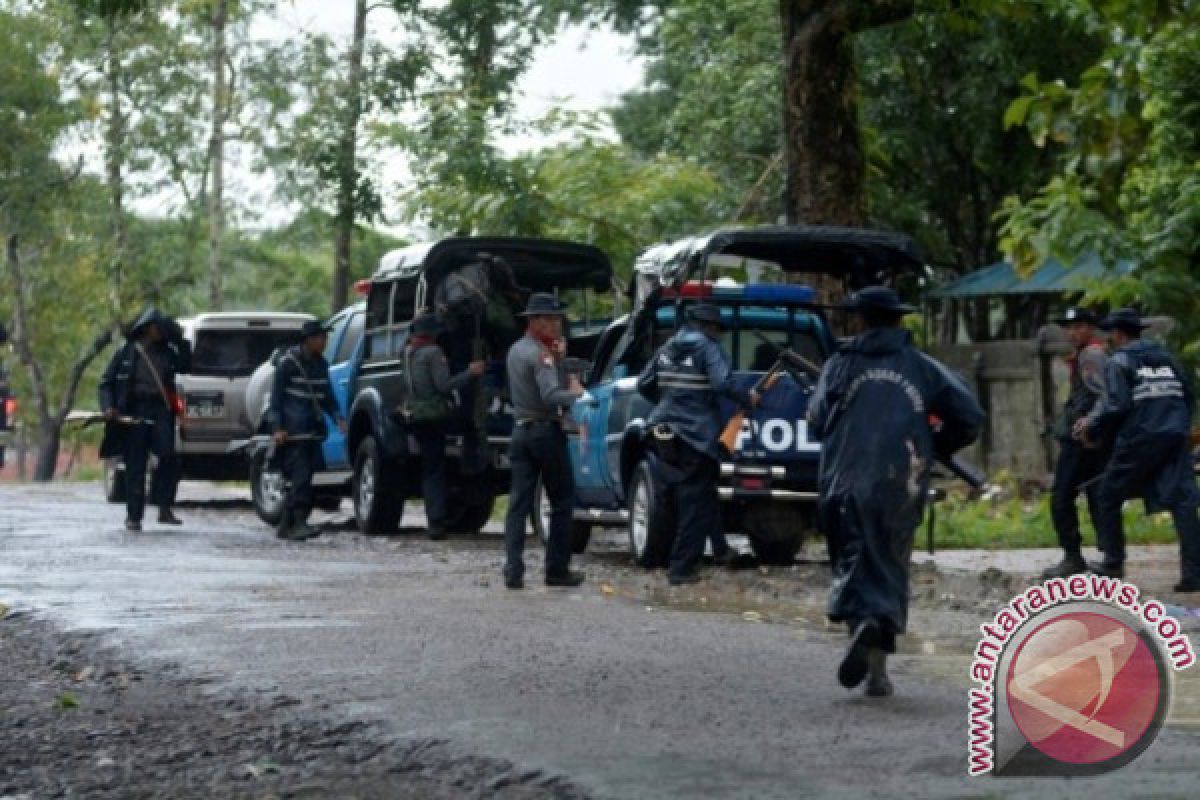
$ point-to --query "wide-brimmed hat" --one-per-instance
(543, 304)
(877, 298)
(313, 327)
(427, 324)
(1124, 319)
(706, 314)
(1075, 314)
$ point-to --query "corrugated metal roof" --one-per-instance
(1050, 278)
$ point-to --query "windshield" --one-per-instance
(236, 353)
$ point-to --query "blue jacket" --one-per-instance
(300, 393)
(1146, 394)
(686, 380)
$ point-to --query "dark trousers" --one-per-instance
(1076, 466)
(697, 510)
(299, 461)
(1135, 470)
(431, 436)
(157, 437)
(539, 450)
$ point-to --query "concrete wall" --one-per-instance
(1021, 383)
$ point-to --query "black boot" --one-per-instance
(1071, 564)
(878, 682)
(568, 578)
(1107, 570)
(167, 517)
(854, 664)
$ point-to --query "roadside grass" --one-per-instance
(1011, 522)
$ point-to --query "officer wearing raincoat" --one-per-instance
(882, 410)
(1148, 402)
(137, 396)
(686, 380)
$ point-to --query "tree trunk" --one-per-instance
(114, 158)
(348, 162)
(50, 421)
(216, 155)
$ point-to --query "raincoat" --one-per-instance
(686, 379)
(115, 388)
(872, 411)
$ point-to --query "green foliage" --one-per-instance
(1126, 136)
(1012, 523)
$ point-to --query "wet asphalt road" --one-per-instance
(600, 684)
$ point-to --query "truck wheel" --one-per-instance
(651, 528)
(114, 482)
(469, 514)
(376, 509)
(776, 531)
(580, 532)
(266, 491)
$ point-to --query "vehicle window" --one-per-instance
(354, 332)
(605, 359)
(236, 353)
(379, 303)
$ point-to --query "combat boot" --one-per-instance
(854, 664)
(1107, 570)
(1071, 564)
(878, 682)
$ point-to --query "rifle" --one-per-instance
(968, 473)
(86, 419)
(730, 435)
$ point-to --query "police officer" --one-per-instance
(1148, 402)
(300, 396)
(1078, 464)
(430, 389)
(872, 412)
(539, 445)
(139, 404)
(686, 379)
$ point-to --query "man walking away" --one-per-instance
(1148, 402)
(137, 396)
(875, 410)
(430, 389)
(300, 397)
(539, 445)
(686, 379)
(1079, 465)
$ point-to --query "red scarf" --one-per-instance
(419, 340)
(548, 343)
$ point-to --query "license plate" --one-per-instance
(205, 411)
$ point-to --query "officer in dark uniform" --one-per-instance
(430, 389)
(1078, 465)
(539, 445)
(873, 412)
(1148, 402)
(686, 379)
(300, 396)
(137, 396)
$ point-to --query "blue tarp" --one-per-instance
(1050, 278)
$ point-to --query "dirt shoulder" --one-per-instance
(79, 721)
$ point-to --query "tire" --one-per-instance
(580, 532)
(266, 491)
(114, 482)
(376, 509)
(776, 532)
(467, 513)
(651, 528)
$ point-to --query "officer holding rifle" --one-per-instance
(300, 397)
(872, 412)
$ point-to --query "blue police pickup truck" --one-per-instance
(768, 487)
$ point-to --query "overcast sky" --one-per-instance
(582, 69)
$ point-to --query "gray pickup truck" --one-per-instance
(227, 348)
